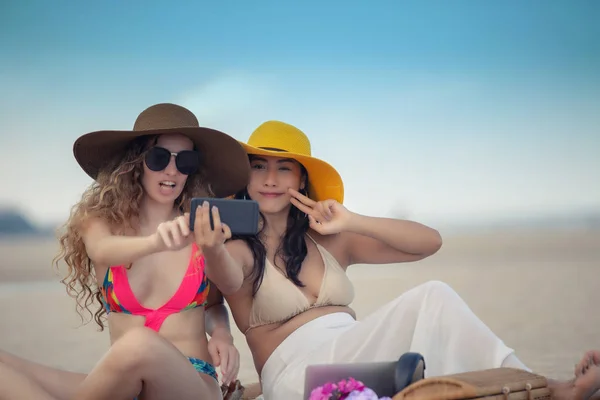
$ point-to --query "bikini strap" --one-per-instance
(313, 240)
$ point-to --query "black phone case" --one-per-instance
(240, 215)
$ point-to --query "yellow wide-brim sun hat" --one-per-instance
(280, 139)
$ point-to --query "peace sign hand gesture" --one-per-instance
(326, 217)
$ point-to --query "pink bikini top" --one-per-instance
(192, 292)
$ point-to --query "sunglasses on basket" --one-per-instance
(186, 161)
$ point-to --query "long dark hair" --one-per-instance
(292, 249)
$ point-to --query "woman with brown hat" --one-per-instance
(128, 245)
(294, 304)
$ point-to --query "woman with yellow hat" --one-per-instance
(127, 244)
(294, 304)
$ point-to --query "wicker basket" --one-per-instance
(490, 384)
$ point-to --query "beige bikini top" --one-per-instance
(278, 299)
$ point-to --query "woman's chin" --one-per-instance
(163, 199)
(273, 209)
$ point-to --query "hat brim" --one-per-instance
(224, 160)
(324, 181)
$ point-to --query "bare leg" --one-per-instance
(16, 386)
(54, 382)
(144, 364)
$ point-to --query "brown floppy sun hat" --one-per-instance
(223, 159)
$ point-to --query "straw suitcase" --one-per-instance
(490, 384)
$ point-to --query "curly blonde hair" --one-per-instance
(115, 197)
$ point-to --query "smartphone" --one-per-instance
(240, 215)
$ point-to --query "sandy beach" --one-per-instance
(538, 290)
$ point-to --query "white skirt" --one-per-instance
(430, 319)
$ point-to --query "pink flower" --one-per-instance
(324, 392)
(350, 385)
(348, 389)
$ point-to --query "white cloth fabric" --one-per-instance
(430, 319)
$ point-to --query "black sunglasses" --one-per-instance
(186, 161)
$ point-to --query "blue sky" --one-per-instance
(436, 110)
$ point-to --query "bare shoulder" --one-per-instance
(92, 231)
(334, 244)
(238, 247)
(94, 228)
(241, 252)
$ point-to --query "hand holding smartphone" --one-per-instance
(241, 216)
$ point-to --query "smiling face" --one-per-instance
(270, 180)
(165, 185)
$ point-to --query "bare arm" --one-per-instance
(369, 240)
(220, 345)
(226, 264)
(216, 316)
(104, 248)
(374, 240)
